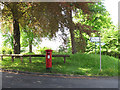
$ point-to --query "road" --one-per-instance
(14, 80)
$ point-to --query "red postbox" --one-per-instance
(48, 59)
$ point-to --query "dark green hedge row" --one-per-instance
(112, 53)
(115, 54)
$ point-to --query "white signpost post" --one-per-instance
(97, 39)
(100, 52)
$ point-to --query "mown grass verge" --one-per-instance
(77, 64)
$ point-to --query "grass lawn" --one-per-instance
(77, 64)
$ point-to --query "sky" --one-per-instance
(110, 5)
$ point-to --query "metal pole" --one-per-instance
(95, 47)
(100, 52)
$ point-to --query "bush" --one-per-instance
(6, 50)
(3, 51)
(22, 51)
(9, 51)
(111, 53)
(28, 53)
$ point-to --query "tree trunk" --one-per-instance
(16, 29)
(71, 28)
(16, 35)
(82, 43)
(30, 46)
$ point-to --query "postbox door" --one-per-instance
(48, 60)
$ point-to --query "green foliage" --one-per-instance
(6, 32)
(63, 49)
(110, 38)
(28, 53)
(100, 17)
(6, 50)
(24, 41)
(28, 35)
(98, 21)
(42, 50)
(8, 40)
(22, 51)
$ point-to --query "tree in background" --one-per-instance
(6, 31)
(97, 22)
(110, 38)
(28, 38)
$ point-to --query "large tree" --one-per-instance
(98, 21)
(15, 11)
(29, 38)
(52, 17)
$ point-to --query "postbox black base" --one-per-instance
(48, 69)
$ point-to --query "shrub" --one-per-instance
(42, 50)
(28, 53)
(6, 50)
(111, 53)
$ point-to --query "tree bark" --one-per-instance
(30, 46)
(16, 28)
(16, 35)
(71, 28)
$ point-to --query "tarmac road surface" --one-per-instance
(14, 80)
